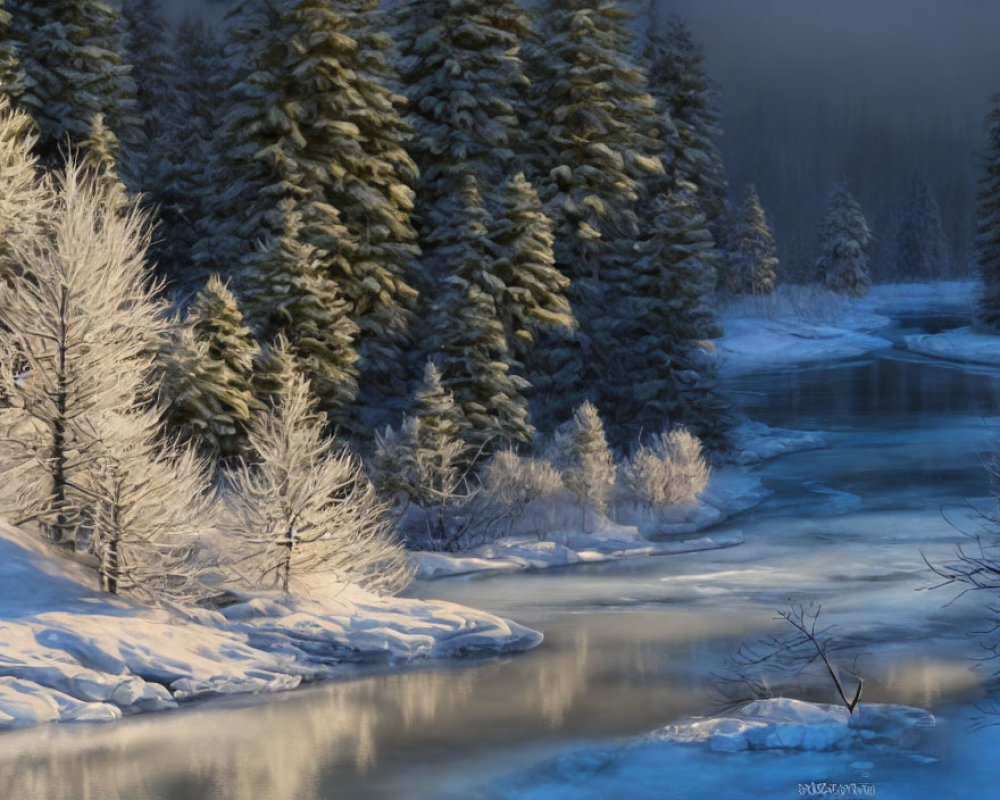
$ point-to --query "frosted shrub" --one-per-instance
(669, 471)
(515, 482)
(306, 505)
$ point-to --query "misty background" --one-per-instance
(878, 92)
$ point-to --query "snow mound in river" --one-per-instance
(782, 723)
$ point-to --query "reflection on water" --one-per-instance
(897, 391)
(628, 646)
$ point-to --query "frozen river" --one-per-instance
(629, 646)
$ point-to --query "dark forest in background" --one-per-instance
(813, 93)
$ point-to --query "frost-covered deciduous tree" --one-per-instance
(23, 197)
(515, 482)
(208, 371)
(988, 225)
(843, 243)
(588, 467)
(73, 57)
(679, 81)
(145, 504)
(751, 260)
(84, 323)
(301, 504)
(291, 293)
(921, 246)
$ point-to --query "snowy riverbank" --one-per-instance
(961, 344)
(803, 326)
(68, 652)
(634, 533)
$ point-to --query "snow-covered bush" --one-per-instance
(515, 482)
(303, 504)
(668, 471)
(811, 302)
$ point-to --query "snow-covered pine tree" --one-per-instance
(441, 421)
(98, 154)
(667, 375)
(310, 118)
(534, 288)
(208, 370)
(84, 324)
(23, 198)
(679, 81)
(751, 262)
(477, 367)
(595, 118)
(148, 504)
(588, 466)
(73, 59)
(468, 332)
(463, 74)
(843, 243)
(427, 459)
(302, 504)
(594, 145)
(183, 174)
(921, 247)
(273, 368)
(988, 224)
(11, 74)
(291, 293)
(151, 57)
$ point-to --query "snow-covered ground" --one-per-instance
(941, 297)
(961, 344)
(636, 532)
(68, 652)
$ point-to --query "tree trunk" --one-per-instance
(60, 532)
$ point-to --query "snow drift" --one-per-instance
(68, 652)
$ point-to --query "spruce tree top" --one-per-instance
(844, 238)
(74, 69)
(465, 82)
(598, 120)
(217, 319)
(525, 262)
